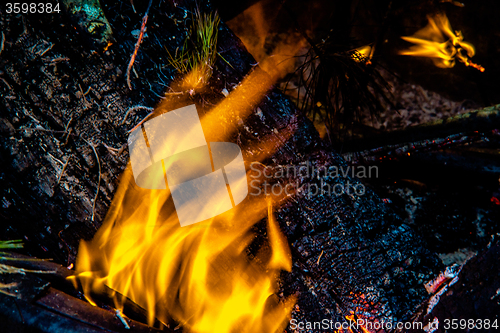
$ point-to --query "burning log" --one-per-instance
(351, 256)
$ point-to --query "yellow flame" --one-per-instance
(438, 42)
(281, 257)
(253, 28)
(200, 276)
(363, 54)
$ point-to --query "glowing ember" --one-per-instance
(200, 276)
(438, 42)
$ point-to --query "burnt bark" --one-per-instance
(65, 98)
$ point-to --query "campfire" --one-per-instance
(199, 275)
(263, 167)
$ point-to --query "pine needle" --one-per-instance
(198, 54)
(11, 244)
(4, 286)
(8, 269)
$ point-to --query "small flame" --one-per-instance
(363, 54)
(107, 46)
(438, 42)
(200, 276)
(253, 28)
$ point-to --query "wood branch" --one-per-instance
(479, 147)
(483, 120)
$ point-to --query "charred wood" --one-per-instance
(472, 297)
(352, 255)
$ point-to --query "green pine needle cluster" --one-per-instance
(10, 289)
(11, 244)
(199, 52)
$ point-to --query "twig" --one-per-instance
(98, 181)
(84, 94)
(120, 316)
(67, 125)
(32, 50)
(62, 171)
(319, 258)
(135, 108)
(56, 159)
(177, 93)
(135, 72)
(5, 81)
(140, 123)
(87, 92)
(31, 116)
(482, 120)
(112, 150)
(41, 129)
(67, 136)
(46, 50)
(137, 44)
(68, 133)
(59, 59)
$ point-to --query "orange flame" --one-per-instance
(438, 42)
(199, 276)
(107, 46)
(253, 27)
